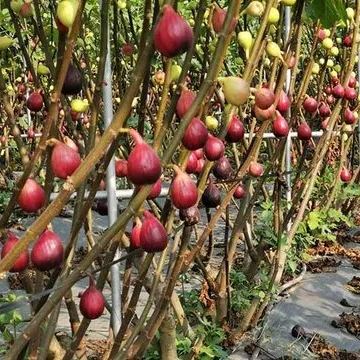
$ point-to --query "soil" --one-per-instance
(330, 249)
(349, 321)
(354, 285)
(323, 264)
(325, 351)
(317, 345)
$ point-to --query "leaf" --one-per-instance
(313, 220)
(292, 265)
(329, 12)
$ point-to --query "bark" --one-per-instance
(168, 337)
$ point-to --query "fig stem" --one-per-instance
(52, 142)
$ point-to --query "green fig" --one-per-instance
(66, 12)
(255, 8)
(175, 72)
(273, 49)
(16, 5)
(327, 43)
(5, 42)
(274, 16)
(43, 70)
(79, 106)
(236, 90)
(245, 41)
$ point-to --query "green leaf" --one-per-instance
(313, 220)
(7, 335)
(329, 12)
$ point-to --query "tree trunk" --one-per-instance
(168, 337)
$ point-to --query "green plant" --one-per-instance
(9, 321)
(241, 293)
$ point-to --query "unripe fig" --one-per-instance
(5, 42)
(246, 41)
(264, 98)
(255, 8)
(273, 49)
(327, 43)
(211, 123)
(236, 90)
(274, 16)
(288, 2)
(66, 12)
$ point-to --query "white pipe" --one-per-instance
(292, 134)
(287, 89)
(120, 194)
(111, 192)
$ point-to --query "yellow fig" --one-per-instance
(245, 41)
(159, 77)
(327, 32)
(334, 51)
(327, 43)
(121, 4)
(337, 68)
(5, 42)
(350, 12)
(79, 106)
(236, 90)
(43, 70)
(330, 63)
(274, 16)
(347, 127)
(211, 123)
(334, 74)
(175, 72)
(16, 5)
(255, 8)
(66, 12)
(289, 2)
(315, 68)
(273, 49)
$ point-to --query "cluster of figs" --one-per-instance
(172, 36)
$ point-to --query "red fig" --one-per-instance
(144, 165)
(256, 169)
(92, 302)
(22, 261)
(280, 126)
(184, 102)
(121, 168)
(324, 110)
(31, 197)
(153, 236)
(304, 132)
(214, 148)
(211, 197)
(284, 102)
(345, 175)
(235, 131)
(310, 104)
(195, 135)
(218, 19)
(191, 164)
(338, 91)
(264, 98)
(48, 251)
(35, 101)
(222, 168)
(173, 35)
(183, 190)
(64, 160)
(135, 235)
(239, 192)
